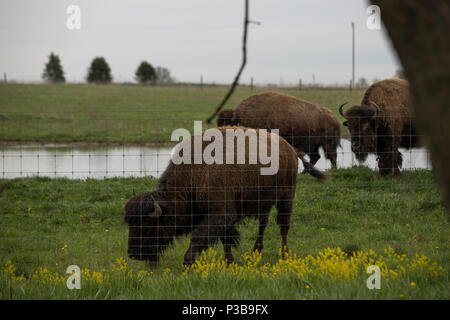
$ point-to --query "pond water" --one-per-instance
(98, 162)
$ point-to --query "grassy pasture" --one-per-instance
(49, 224)
(115, 113)
(53, 223)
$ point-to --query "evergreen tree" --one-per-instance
(53, 71)
(99, 71)
(145, 73)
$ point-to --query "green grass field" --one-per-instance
(48, 224)
(114, 113)
(54, 223)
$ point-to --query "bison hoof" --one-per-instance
(389, 173)
(189, 260)
(284, 252)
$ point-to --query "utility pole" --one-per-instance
(299, 84)
(5, 80)
(251, 83)
(201, 82)
(353, 55)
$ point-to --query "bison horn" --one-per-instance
(340, 109)
(157, 212)
(376, 107)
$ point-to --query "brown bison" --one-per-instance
(207, 200)
(306, 126)
(382, 124)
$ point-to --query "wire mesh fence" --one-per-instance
(87, 213)
(125, 161)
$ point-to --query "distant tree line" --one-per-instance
(100, 72)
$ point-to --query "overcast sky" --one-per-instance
(296, 39)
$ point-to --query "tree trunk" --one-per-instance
(420, 33)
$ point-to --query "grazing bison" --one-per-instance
(382, 124)
(207, 200)
(306, 126)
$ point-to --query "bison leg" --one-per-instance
(390, 159)
(259, 243)
(331, 154)
(389, 163)
(333, 159)
(284, 208)
(194, 248)
(229, 240)
(314, 155)
(219, 224)
(201, 238)
(330, 149)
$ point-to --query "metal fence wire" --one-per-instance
(213, 210)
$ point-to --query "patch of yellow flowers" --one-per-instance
(44, 276)
(9, 271)
(333, 264)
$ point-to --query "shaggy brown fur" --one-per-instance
(208, 200)
(384, 133)
(306, 126)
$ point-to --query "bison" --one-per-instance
(382, 123)
(208, 200)
(306, 126)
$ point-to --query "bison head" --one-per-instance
(362, 124)
(227, 117)
(146, 239)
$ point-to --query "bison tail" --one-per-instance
(309, 168)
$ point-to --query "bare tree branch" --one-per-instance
(244, 61)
